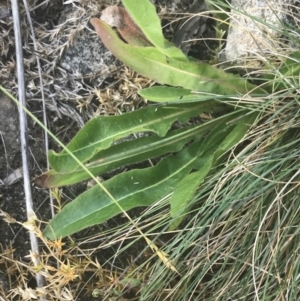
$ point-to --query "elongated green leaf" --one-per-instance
(150, 62)
(186, 189)
(120, 155)
(215, 138)
(285, 76)
(236, 135)
(118, 17)
(165, 94)
(131, 189)
(291, 66)
(144, 14)
(214, 147)
(128, 152)
(100, 132)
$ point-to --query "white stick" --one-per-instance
(23, 134)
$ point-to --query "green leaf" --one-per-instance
(127, 152)
(216, 144)
(285, 77)
(186, 189)
(150, 62)
(100, 132)
(236, 135)
(143, 13)
(165, 94)
(130, 189)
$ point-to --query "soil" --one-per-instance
(71, 100)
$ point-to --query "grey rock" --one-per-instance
(256, 27)
(86, 55)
